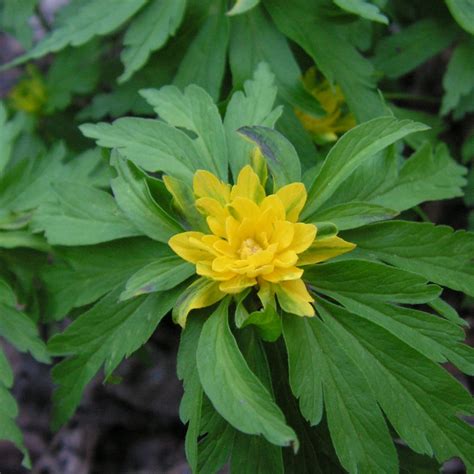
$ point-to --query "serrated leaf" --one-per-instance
(402, 52)
(150, 144)
(82, 215)
(279, 153)
(149, 31)
(9, 431)
(436, 252)
(134, 198)
(160, 275)
(356, 424)
(364, 9)
(352, 150)
(462, 11)
(21, 332)
(204, 61)
(84, 274)
(432, 400)
(236, 393)
(91, 18)
(355, 278)
(458, 81)
(104, 335)
(253, 106)
(332, 53)
(194, 110)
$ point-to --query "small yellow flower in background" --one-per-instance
(337, 120)
(29, 94)
(255, 240)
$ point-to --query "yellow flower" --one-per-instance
(30, 93)
(255, 240)
(337, 119)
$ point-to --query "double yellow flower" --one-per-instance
(255, 240)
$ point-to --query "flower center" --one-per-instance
(249, 247)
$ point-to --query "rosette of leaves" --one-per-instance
(356, 387)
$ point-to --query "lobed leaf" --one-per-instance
(149, 31)
(437, 252)
(236, 393)
(104, 335)
(352, 150)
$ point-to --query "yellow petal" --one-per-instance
(304, 236)
(283, 274)
(274, 205)
(293, 196)
(286, 259)
(205, 269)
(200, 294)
(190, 247)
(324, 249)
(242, 207)
(266, 292)
(205, 184)
(248, 186)
(294, 298)
(216, 214)
(237, 284)
(283, 233)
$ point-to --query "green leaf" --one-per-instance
(354, 278)
(9, 431)
(234, 390)
(318, 35)
(190, 406)
(84, 274)
(104, 335)
(255, 39)
(364, 9)
(195, 111)
(437, 339)
(150, 144)
(463, 13)
(316, 453)
(432, 400)
(9, 131)
(160, 275)
(425, 176)
(253, 106)
(123, 99)
(81, 21)
(356, 424)
(81, 215)
(74, 71)
(353, 149)
(352, 215)
(242, 6)
(14, 18)
(436, 252)
(267, 322)
(134, 198)
(14, 239)
(149, 31)
(280, 154)
(402, 52)
(458, 80)
(204, 61)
